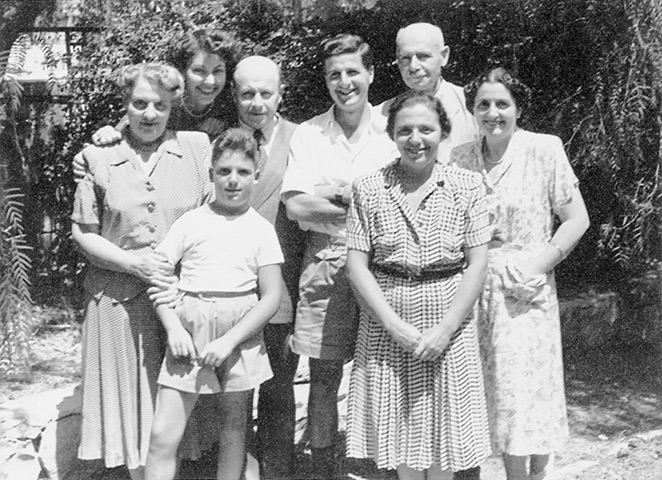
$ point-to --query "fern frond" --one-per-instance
(15, 298)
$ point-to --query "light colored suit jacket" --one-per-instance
(266, 200)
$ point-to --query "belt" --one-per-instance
(213, 294)
(429, 274)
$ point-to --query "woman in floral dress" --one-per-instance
(417, 239)
(529, 181)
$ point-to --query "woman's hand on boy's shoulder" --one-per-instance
(164, 290)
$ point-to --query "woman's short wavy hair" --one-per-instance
(160, 74)
(185, 45)
(412, 98)
(236, 140)
(518, 90)
(346, 43)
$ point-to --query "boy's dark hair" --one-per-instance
(236, 140)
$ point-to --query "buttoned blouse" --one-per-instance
(134, 210)
(451, 216)
(321, 154)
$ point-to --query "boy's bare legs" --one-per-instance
(232, 434)
(173, 409)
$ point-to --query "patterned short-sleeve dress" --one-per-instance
(123, 339)
(521, 339)
(402, 410)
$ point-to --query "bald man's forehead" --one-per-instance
(262, 68)
(267, 77)
(421, 34)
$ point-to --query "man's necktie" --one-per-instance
(262, 154)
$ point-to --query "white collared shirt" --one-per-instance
(321, 154)
(270, 141)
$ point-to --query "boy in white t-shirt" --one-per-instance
(227, 252)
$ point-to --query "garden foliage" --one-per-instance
(595, 68)
(15, 299)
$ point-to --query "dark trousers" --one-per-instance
(325, 378)
(276, 406)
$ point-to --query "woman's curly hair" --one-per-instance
(186, 44)
(160, 74)
(519, 91)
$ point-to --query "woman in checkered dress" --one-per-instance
(129, 198)
(418, 234)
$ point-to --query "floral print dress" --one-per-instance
(520, 335)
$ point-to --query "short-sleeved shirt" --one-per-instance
(219, 253)
(321, 154)
(463, 124)
(452, 216)
(134, 210)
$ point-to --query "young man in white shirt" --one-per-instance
(326, 153)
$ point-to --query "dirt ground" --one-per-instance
(614, 399)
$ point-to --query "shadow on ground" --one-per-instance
(347, 468)
(614, 390)
(613, 393)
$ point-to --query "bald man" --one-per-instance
(421, 55)
(258, 93)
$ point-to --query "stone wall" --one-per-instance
(631, 317)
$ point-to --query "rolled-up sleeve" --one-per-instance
(300, 174)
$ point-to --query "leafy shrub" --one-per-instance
(594, 67)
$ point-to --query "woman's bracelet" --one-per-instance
(561, 251)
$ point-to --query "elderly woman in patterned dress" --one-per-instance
(529, 181)
(418, 234)
(129, 198)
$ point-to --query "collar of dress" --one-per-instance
(391, 177)
(170, 145)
